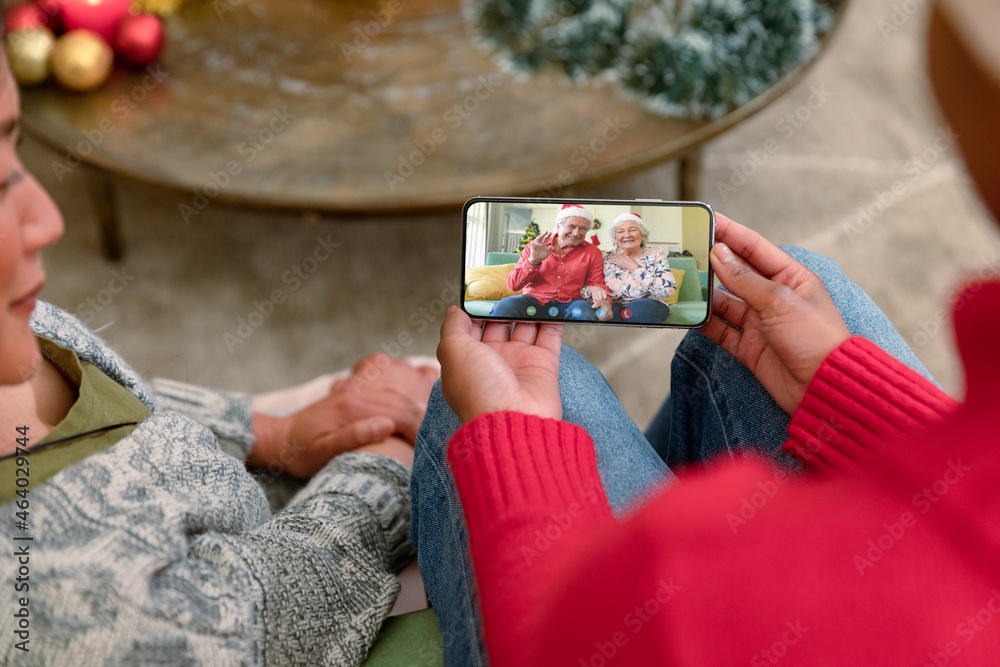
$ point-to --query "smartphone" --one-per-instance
(638, 263)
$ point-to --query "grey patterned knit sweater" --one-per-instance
(162, 549)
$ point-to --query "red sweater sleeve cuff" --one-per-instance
(861, 398)
(509, 462)
(530, 492)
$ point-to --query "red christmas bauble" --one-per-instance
(53, 19)
(139, 39)
(99, 16)
(22, 16)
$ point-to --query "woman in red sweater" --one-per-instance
(886, 553)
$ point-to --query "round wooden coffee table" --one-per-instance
(350, 106)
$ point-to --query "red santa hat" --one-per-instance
(574, 211)
(626, 216)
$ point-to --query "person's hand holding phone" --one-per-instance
(789, 322)
(499, 367)
(539, 249)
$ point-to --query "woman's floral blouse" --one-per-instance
(652, 280)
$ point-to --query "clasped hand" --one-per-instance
(777, 319)
(599, 298)
(383, 397)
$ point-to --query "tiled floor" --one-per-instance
(857, 132)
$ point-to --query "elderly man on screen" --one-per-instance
(552, 270)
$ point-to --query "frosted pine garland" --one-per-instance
(687, 58)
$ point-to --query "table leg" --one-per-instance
(103, 192)
(689, 175)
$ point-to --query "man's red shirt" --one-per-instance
(559, 278)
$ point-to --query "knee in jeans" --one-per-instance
(819, 264)
(574, 367)
(567, 352)
(696, 345)
(688, 383)
(427, 437)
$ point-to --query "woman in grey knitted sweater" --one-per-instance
(160, 547)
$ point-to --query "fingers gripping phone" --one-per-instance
(588, 261)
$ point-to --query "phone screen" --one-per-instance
(620, 262)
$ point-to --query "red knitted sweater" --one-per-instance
(888, 555)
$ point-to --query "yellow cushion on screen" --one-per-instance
(486, 283)
(679, 277)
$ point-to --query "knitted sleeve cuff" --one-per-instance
(860, 398)
(380, 483)
(509, 462)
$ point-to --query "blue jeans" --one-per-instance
(641, 310)
(716, 407)
(518, 307)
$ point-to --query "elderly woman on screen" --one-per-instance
(638, 276)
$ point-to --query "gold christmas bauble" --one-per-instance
(81, 60)
(28, 54)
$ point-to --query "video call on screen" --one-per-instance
(496, 233)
